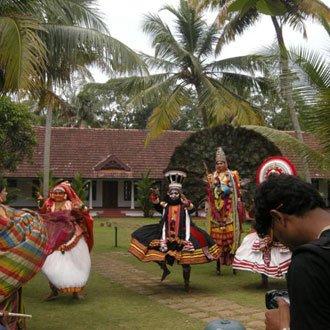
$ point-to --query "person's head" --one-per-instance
(220, 160)
(174, 194)
(221, 166)
(3, 193)
(281, 202)
(58, 194)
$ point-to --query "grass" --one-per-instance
(111, 306)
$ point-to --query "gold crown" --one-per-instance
(220, 156)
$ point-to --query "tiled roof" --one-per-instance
(85, 149)
(82, 149)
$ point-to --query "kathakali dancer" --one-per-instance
(265, 255)
(225, 210)
(70, 237)
(176, 237)
(23, 249)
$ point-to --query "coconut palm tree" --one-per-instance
(185, 70)
(235, 16)
(44, 42)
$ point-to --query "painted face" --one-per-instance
(221, 166)
(58, 195)
(3, 195)
(174, 194)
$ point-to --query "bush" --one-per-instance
(143, 192)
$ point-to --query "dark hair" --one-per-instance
(287, 194)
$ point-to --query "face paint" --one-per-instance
(174, 194)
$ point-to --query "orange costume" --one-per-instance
(223, 196)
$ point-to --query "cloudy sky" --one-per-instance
(124, 18)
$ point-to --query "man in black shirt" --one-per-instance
(294, 212)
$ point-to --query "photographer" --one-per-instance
(294, 212)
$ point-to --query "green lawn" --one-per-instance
(111, 306)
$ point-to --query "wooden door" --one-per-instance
(110, 194)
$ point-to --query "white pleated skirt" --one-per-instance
(69, 272)
(247, 258)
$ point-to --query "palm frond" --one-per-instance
(247, 63)
(68, 41)
(315, 9)
(206, 41)
(236, 26)
(291, 145)
(22, 53)
(189, 25)
(224, 106)
(158, 63)
(166, 112)
(313, 64)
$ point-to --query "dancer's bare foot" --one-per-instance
(166, 272)
(51, 296)
(78, 296)
(187, 288)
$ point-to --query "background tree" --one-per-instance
(182, 62)
(143, 191)
(236, 16)
(239, 145)
(17, 137)
(80, 186)
(44, 42)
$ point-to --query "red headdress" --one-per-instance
(274, 165)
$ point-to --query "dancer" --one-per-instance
(176, 237)
(23, 249)
(224, 198)
(70, 236)
(265, 256)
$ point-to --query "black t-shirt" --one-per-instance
(309, 285)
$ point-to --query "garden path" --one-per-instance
(205, 307)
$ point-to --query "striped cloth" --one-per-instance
(23, 248)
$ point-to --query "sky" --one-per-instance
(124, 19)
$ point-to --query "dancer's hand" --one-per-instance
(188, 246)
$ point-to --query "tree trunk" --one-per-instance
(286, 89)
(200, 108)
(48, 132)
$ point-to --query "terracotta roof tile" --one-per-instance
(81, 149)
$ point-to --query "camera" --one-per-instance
(272, 295)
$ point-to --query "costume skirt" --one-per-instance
(145, 245)
(69, 271)
(23, 249)
(250, 257)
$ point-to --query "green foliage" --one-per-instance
(188, 78)
(17, 137)
(38, 188)
(245, 150)
(80, 186)
(43, 43)
(12, 193)
(143, 192)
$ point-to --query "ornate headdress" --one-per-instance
(175, 179)
(71, 194)
(220, 156)
(274, 165)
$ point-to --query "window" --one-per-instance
(12, 183)
(94, 190)
(35, 187)
(128, 190)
